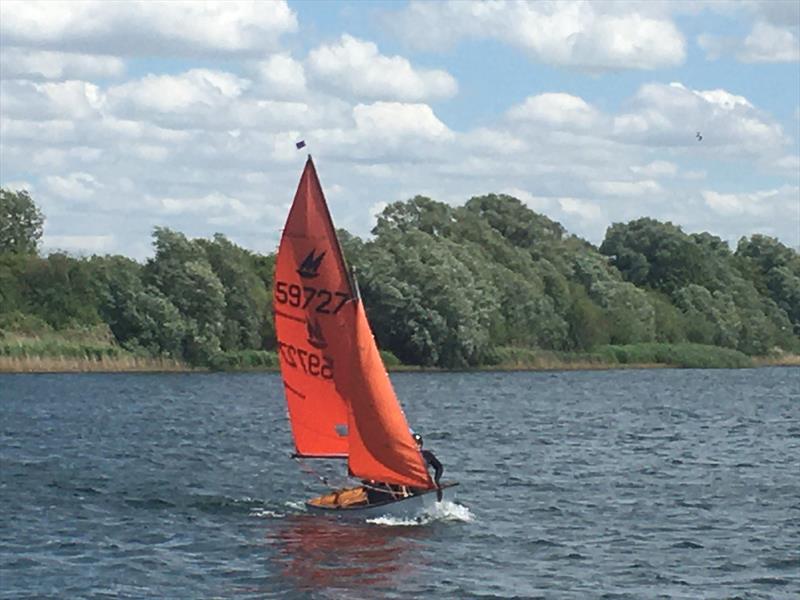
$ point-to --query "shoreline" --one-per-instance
(40, 365)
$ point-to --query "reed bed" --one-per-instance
(88, 364)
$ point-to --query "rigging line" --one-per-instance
(314, 473)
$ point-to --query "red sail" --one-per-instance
(310, 289)
(381, 446)
(341, 401)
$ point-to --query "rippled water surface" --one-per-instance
(619, 484)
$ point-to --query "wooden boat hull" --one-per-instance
(408, 507)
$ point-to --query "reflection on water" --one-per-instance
(317, 553)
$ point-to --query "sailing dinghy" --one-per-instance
(340, 399)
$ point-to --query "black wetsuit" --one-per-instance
(430, 459)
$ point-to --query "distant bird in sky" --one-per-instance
(699, 137)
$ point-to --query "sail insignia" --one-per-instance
(309, 268)
(315, 336)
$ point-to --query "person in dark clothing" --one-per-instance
(431, 461)
(378, 492)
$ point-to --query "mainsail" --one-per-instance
(311, 286)
(340, 398)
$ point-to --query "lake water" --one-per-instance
(614, 484)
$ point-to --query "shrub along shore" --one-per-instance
(65, 354)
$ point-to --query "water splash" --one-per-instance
(451, 511)
(264, 513)
(441, 511)
(295, 505)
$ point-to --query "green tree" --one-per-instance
(139, 316)
(774, 270)
(59, 289)
(246, 297)
(181, 271)
(21, 222)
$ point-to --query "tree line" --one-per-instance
(443, 286)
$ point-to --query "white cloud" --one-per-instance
(216, 204)
(591, 36)
(75, 186)
(670, 115)
(536, 203)
(789, 163)
(356, 67)
(626, 188)
(81, 244)
(694, 175)
(764, 205)
(18, 185)
(395, 120)
(767, 43)
(19, 63)
(764, 44)
(773, 36)
(197, 88)
(657, 168)
(50, 101)
(282, 76)
(556, 109)
(490, 141)
(147, 27)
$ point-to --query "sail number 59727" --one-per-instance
(311, 363)
(324, 301)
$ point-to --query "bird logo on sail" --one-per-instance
(315, 337)
(310, 265)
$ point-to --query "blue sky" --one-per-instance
(122, 116)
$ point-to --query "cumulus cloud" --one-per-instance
(63, 100)
(557, 109)
(670, 115)
(215, 204)
(766, 43)
(626, 188)
(78, 186)
(24, 63)
(146, 27)
(790, 164)
(773, 35)
(766, 204)
(282, 76)
(78, 244)
(394, 119)
(198, 89)
(582, 35)
(657, 168)
(357, 68)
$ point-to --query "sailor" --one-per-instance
(431, 461)
(377, 491)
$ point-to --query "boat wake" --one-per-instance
(441, 511)
(290, 507)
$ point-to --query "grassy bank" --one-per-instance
(652, 355)
(63, 364)
(95, 350)
(75, 350)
